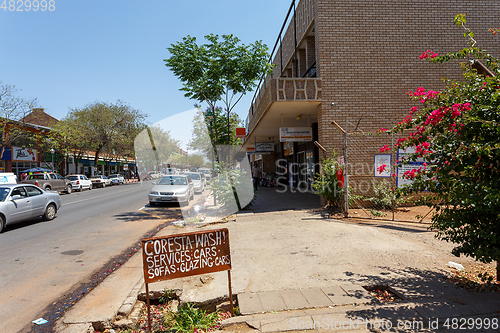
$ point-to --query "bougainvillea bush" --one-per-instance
(456, 132)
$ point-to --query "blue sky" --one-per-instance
(109, 50)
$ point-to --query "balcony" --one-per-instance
(305, 93)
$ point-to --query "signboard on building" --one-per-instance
(401, 155)
(241, 132)
(23, 154)
(288, 148)
(264, 147)
(382, 165)
(187, 254)
(295, 134)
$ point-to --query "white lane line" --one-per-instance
(99, 196)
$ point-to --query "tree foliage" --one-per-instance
(207, 132)
(103, 128)
(456, 131)
(13, 109)
(222, 70)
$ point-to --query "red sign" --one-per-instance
(181, 255)
(241, 132)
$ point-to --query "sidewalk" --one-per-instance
(295, 269)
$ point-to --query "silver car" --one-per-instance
(177, 188)
(21, 202)
(198, 180)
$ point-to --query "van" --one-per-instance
(8, 178)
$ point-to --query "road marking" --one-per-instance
(99, 196)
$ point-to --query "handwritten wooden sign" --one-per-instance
(187, 254)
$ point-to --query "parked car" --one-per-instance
(177, 188)
(206, 172)
(100, 181)
(21, 202)
(116, 179)
(79, 182)
(198, 180)
(154, 174)
(49, 181)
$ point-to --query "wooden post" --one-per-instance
(230, 292)
(149, 308)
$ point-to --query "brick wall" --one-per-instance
(367, 55)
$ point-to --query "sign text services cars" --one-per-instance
(187, 254)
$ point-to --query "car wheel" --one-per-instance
(47, 188)
(69, 189)
(2, 223)
(50, 212)
(103, 185)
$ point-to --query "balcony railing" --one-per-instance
(281, 89)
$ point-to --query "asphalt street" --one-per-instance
(41, 261)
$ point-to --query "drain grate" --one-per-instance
(384, 293)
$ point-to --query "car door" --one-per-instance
(19, 206)
(38, 200)
(57, 184)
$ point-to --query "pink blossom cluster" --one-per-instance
(412, 173)
(384, 148)
(437, 115)
(427, 54)
(381, 168)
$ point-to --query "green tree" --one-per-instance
(223, 70)
(154, 146)
(457, 133)
(108, 127)
(205, 133)
(13, 109)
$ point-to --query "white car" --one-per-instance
(100, 181)
(116, 179)
(176, 188)
(79, 182)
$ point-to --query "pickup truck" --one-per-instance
(49, 182)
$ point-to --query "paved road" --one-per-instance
(40, 261)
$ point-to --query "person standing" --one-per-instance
(256, 173)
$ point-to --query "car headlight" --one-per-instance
(181, 193)
(153, 193)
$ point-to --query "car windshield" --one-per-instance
(112, 176)
(172, 181)
(95, 177)
(72, 177)
(4, 192)
(193, 176)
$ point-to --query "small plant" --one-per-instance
(166, 296)
(377, 213)
(190, 319)
(385, 197)
(326, 182)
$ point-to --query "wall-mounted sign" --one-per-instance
(264, 147)
(288, 148)
(241, 132)
(23, 154)
(295, 134)
(382, 165)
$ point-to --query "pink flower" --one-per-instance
(384, 148)
(381, 168)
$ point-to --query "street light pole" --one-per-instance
(52, 151)
(211, 117)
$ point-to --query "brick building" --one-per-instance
(355, 61)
